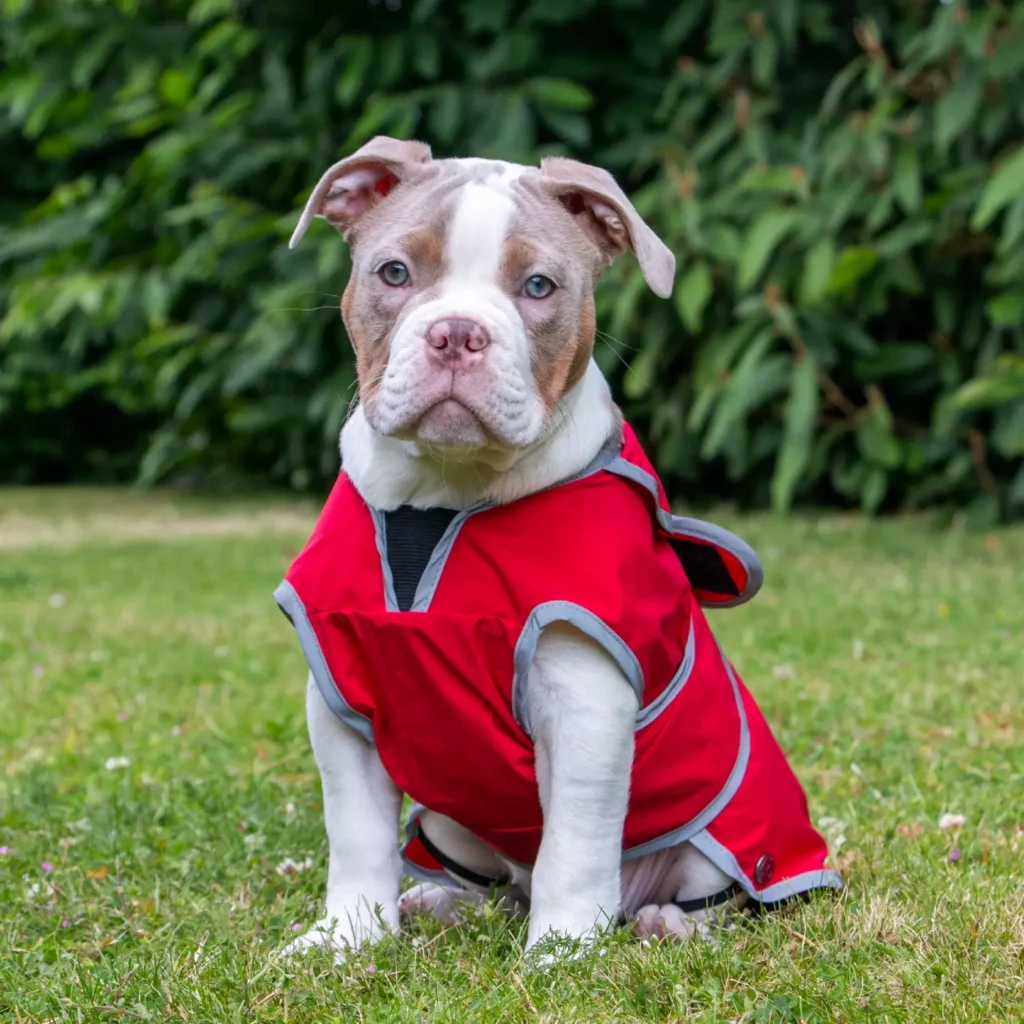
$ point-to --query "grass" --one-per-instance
(139, 632)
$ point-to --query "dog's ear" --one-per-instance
(605, 213)
(356, 184)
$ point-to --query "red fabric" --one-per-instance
(437, 685)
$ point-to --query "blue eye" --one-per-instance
(538, 287)
(394, 273)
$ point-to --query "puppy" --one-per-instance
(501, 615)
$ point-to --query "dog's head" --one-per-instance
(470, 305)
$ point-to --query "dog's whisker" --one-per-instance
(614, 351)
(610, 339)
(298, 309)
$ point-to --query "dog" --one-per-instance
(501, 615)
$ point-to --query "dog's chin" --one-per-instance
(453, 431)
(450, 424)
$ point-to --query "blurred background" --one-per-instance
(842, 182)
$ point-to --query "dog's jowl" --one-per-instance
(502, 617)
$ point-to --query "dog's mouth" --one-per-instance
(450, 423)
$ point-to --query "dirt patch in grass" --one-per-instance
(19, 530)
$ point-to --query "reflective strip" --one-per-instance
(589, 625)
(381, 533)
(415, 813)
(723, 859)
(412, 869)
(718, 804)
(623, 467)
(291, 604)
(676, 683)
(683, 527)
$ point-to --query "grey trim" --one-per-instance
(723, 859)
(415, 813)
(681, 526)
(623, 467)
(380, 532)
(589, 625)
(676, 683)
(421, 874)
(718, 804)
(411, 869)
(291, 604)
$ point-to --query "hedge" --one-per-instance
(843, 185)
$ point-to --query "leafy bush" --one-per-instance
(846, 197)
(849, 205)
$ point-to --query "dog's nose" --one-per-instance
(448, 339)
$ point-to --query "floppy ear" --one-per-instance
(356, 184)
(604, 211)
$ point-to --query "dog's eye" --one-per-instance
(394, 273)
(538, 287)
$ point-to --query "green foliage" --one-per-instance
(846, 198)
(863, 233)
(152, 319)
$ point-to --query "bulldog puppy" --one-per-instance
(471, 312)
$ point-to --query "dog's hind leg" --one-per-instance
(694, 897)
(444, 902)
(474, 868)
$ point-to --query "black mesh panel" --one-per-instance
(412, 534)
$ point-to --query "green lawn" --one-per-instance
(157, 774)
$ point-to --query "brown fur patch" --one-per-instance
(519, 258)
(426, 247)
(370, 334)
(556, 373)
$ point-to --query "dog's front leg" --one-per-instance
(361, 810)
(582, 713)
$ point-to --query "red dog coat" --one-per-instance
(431, 661)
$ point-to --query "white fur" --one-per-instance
(361, 810)
(476, 240)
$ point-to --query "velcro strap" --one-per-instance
(706, 902)
(455, 868)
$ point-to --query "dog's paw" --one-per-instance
(324, 934)
(670, 923)
(338, 935)
(327, 934)
(445, 903)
